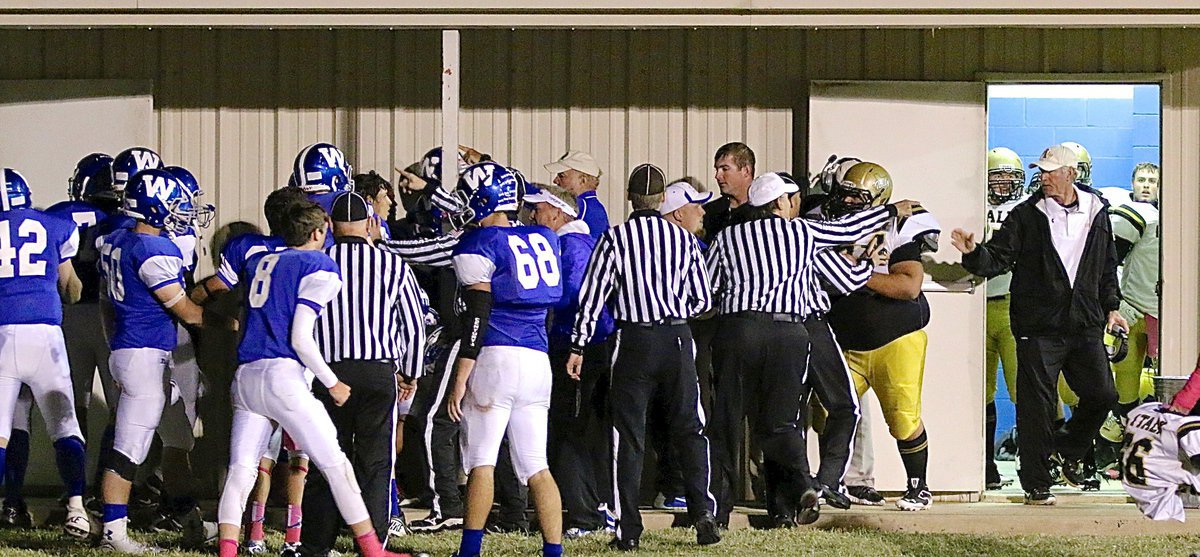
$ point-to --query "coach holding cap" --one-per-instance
(579, 173)
(373, 336)
(654, 273)
(1059, 245)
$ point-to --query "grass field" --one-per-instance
(680, 542)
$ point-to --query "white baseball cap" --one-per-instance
(543, 196)
(577, 160)
(679, 194)
(1055, 158)
(769, 187)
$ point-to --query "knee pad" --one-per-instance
(238, 484)
(346, 493)
(120, 464)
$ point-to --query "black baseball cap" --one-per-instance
(647, 179)
(349, 207)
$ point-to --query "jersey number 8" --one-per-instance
(26, 266)
(260, 287)
(540, 266)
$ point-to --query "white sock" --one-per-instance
(75, 502)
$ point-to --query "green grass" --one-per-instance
(680, 542)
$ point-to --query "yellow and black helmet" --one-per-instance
(1005, 177)
(864, 185)
(1085, 162)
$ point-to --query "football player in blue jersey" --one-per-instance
(286, 292)
(35, 277)
(87, 349)
(129, 162)
(143, 272)
(510, 277)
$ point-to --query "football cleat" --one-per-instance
(864, 495)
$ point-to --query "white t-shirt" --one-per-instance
(1069, 228)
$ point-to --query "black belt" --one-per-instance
(777, 317)
(669, 322)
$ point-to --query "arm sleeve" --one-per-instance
(70, 247)
(593, 293)
(479, 310)
(161, 270)
(698, 281)
(434, 252)
(848, 229)
(473, 268)
(715, 267)
(305, 345)
(1110, 289)
(996, 256)
(839, 272)
(1190, 393)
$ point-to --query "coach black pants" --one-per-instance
(366, 433)
(759, 363)
(648, 360)
(578, 440)
(829, 378)
(1082, 360)
(437, 436)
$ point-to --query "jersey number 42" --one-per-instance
(35, 244)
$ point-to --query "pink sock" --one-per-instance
(258, 514)
(369, 545)
(229, 548)
(294, 521)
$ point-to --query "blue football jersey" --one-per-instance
(522, 264)
(86, 261)
(113, 223)
(325, 200)
(133, 266)
(278, 283)
(239, 250)
(32, 246)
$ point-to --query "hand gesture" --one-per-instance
(410, 182)
(340, 393)
(962, 240)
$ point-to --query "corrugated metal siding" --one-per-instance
(235, 105)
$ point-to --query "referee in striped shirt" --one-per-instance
(373, 336)
(762, 271)
(655, 274)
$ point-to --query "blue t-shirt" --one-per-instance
(592, 213)
(522, 264)
(87, 217)
(239, 250)
(133, 266)
(278, 282)
(32, 246)
(325, 200)
(576, 246)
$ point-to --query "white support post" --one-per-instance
(450, 67)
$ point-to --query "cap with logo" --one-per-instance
(1055, 158)
(680, 194)
(543, 195)
(577, 160)
(769, 187)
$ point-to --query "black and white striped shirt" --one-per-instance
(434, 252)
(768, 264)
(839, 273)
(378, 315)
(652, 269)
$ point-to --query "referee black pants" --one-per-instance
(366, 433)
(1083, 362)
(437, 436)
(829, 378)
(578, 443)
(759, 363)
(650, 360)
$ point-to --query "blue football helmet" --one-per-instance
(431, 165)
(159, 199)
(93, 178)
(321, 168)
(130, 162)
(16, 191)
(486, 188)
(202, 213)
